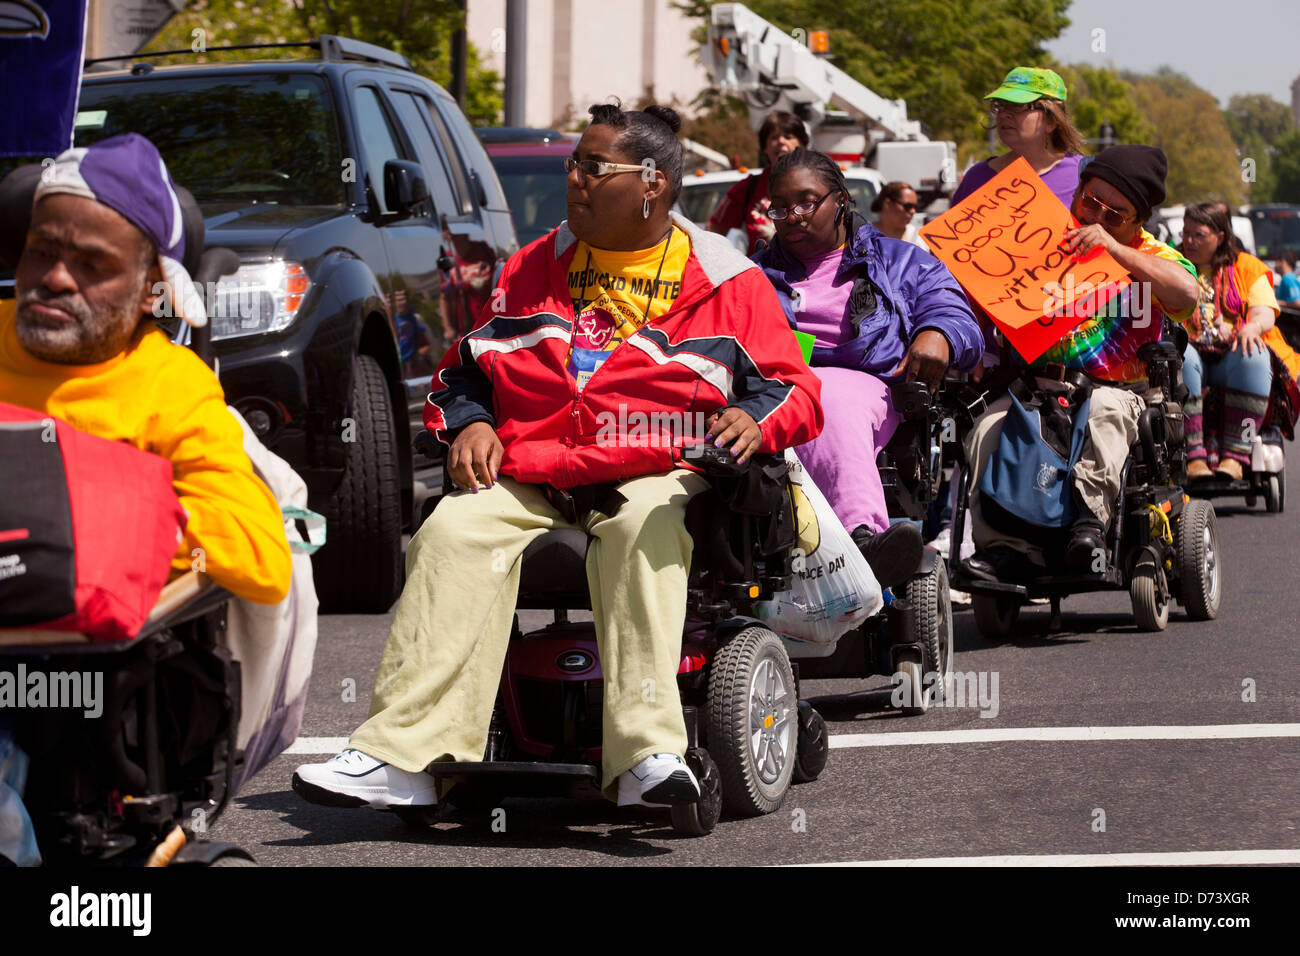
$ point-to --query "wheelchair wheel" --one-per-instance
(699, 818)
(929, 624)
(753, 721)
(1274, 489)
(814, 744)
(1149, 611)
(995, 616)
(1199, 574)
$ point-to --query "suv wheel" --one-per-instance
(359, 570)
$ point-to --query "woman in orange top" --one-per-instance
(1235, 349)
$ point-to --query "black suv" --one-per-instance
(370, 226)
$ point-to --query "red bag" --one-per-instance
(88, 528)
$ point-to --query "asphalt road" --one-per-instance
(1147, 786)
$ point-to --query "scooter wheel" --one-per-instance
(699, 818)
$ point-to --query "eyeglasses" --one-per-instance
(1014, 109)
(1109, 216)
(803, 210)
(595, 169)
(908, 206)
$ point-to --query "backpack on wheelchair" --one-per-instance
(1161, 545)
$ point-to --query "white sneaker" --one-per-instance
(354, 779)
(658, 780)
(958, 597)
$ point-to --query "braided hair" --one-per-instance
(827, 171)
(648, 134)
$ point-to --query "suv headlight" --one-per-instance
(260, 297)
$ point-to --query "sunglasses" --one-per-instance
(1109, 216)
(909, 206)
(803, 210)
(595, 169)
(1013, 109)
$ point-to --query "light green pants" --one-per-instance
(442, 664)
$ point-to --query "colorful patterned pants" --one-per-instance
(1227, 402)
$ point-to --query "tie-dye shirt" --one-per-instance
(1106, 345)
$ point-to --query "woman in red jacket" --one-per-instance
(609, 345)
(745, 204)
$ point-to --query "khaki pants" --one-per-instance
(1112, 429)
(442, 664)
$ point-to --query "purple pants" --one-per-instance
(860, 420)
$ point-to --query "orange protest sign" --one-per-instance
(1002, 244)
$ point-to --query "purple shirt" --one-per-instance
(822, 310)
(1061, 179)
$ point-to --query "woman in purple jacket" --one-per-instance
(880, 310)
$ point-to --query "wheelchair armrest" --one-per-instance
(428, 446)
(23, 637)
(911, 400)
(1159, 352)
(178, 593)
(714, 461)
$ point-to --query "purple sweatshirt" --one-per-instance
(1061, 179)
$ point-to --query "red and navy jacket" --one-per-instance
(724, 342)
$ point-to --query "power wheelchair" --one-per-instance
(1162, 545)
(141, 783)
(911, 639)
(749, 735)
(157, 767)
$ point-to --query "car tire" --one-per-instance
(360, 568)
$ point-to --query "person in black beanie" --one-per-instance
(1117, 191)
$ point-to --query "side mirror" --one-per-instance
(404, 187)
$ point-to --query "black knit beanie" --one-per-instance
(1136, 171)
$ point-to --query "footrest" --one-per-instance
(522, 778)
(1002, 588)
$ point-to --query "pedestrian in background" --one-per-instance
(895, 206)
(1028, 111)
(745, 204)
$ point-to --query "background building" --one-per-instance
(580, 52)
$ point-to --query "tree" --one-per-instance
(1191, 130)
(1100, 95)
(1258, 123)
(940, 56)
(1286, 168)
(420, 31)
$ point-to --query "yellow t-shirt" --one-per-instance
(161, 398)
(615, 293)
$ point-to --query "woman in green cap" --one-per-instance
(1028, 111)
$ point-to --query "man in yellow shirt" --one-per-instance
(79, 343)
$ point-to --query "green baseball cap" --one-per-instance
(1025, 84)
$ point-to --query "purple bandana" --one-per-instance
(127, 174)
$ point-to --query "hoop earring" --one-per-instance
(645, 208)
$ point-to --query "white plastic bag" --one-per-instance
(832, 589)
(275, 643)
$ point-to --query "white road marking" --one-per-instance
(332, 745)
(1002, 734)
(317, 745)
(1173, 858)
